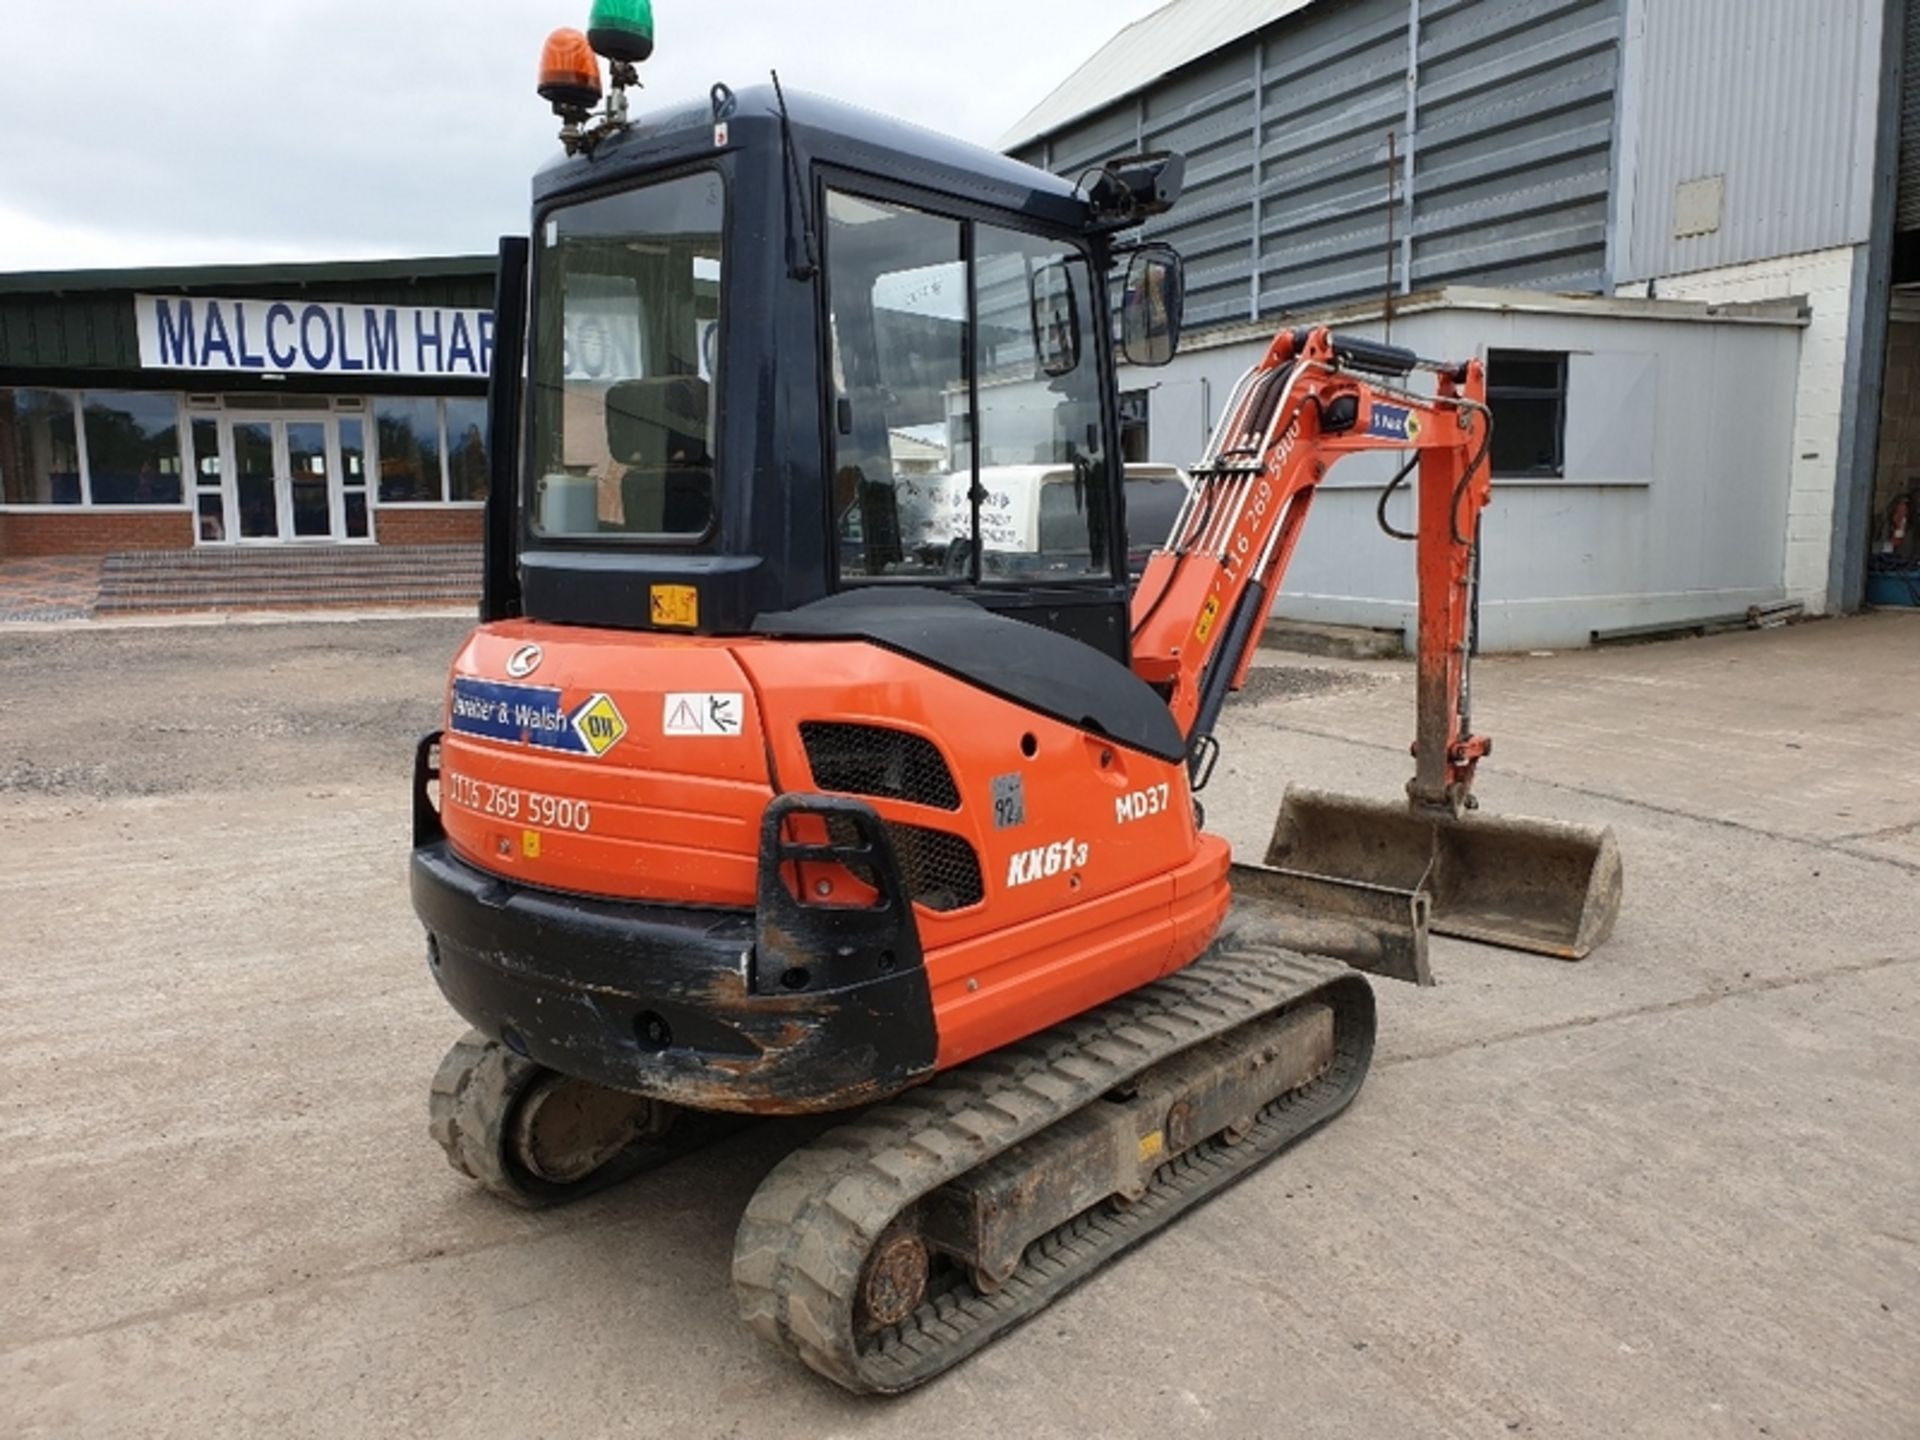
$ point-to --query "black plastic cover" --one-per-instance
(1040, 669)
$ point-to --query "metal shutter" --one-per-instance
(1909, 208)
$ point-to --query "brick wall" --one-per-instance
(430, 527)
(1825, 279)
(92, 532)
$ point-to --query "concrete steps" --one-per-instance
(289, 577)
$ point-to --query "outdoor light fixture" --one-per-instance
(621, 30)
(569, 75)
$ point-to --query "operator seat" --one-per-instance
(656, 430)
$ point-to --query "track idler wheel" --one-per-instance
(533, 1136)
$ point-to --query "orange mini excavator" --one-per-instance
(815, 753)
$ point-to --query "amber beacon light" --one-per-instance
(569, 74)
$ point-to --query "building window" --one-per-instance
(409, 432)
(466, 449)
(133, 448)
(431, 450)
(39, 454)
(1133, 426)
(1527, 390)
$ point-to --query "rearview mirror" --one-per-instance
(1056, 319)
(1150, 305)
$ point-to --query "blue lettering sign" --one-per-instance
(460, 346)
(321, 338)
(176, 341)
(347, 361)
(248, 358)
(1390, 421)
(383, 338)
(307, 317)
(516, 714)
(421, 340)
(215, 338)
(282, 359)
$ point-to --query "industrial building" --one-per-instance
(262, 422)
(1682, 235)
(1685, 237)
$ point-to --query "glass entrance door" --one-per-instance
(288, 479)
(308, 479)
(256, 492)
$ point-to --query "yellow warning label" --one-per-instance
(1413, 426)
(1209, 612)
(676, 605)
(1150, 1146)
(599, 724)
(530, 844)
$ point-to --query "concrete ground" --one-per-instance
(1672, 1191)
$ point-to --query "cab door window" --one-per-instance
(966, 420)
(1042, 467)
(897, 288)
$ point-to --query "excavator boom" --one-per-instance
(1372, 877)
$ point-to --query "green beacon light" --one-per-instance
(621, 30)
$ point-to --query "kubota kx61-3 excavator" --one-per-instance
(813, 754)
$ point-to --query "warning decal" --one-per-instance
(599, 724)
(702, 712)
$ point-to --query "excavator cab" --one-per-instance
(781, 348)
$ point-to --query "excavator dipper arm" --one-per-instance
(1313, 398)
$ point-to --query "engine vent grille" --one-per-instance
(875, 760)
(939, 868)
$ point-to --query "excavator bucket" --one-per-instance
(1537, 885)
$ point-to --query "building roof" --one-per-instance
(194, 277)
(1791, 311)
(1154, 45)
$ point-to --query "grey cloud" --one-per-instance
(410, 126)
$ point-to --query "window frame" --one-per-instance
(76, 404)
(530, 536)
(440, 501)
(189, 410)
(966, 215)
(1558, 393)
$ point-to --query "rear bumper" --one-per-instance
(785, 1009)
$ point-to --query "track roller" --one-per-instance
(538, 1138)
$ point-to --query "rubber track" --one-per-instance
(810, 1225)
(472, 1100)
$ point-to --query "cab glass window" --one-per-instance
(627, 314)
(897, 289)
(964, 378)
(1043, 470)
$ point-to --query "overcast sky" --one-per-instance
(191, 131)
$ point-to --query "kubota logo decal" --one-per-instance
(1027, 866)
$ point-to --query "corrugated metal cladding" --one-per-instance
(1511, 137)
(94, 329)
(1909, 204)
(1777, 99)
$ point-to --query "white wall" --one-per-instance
(1675, 501)
(1825, 280)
